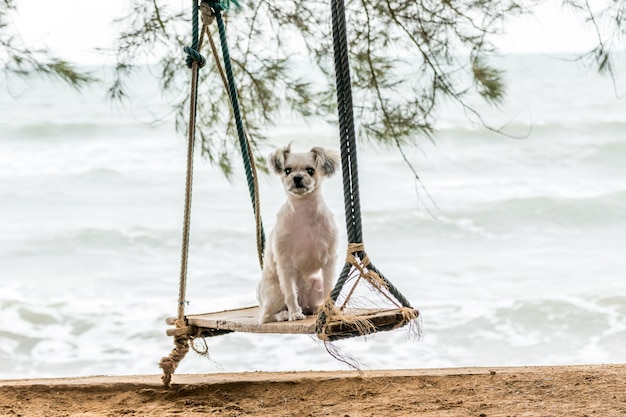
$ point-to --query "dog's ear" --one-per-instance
(326, 159)
(277, 159)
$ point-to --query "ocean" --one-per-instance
(512, 247)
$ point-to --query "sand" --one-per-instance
(598, 390)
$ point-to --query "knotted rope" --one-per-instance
(357, 259)
(330, 313)
(194, 61)
(362, 267)
(170, 363)
(192, 51)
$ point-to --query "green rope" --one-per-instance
(192, 51)
(224, 5)
(218, 7)
(349, 159)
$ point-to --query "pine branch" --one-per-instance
(19, 60)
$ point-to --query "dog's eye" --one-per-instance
(310, 171)
(287, 171)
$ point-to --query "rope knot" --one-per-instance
(193, 55)
(362, 266)
(215, 5)
(223, 5)
(208, 13)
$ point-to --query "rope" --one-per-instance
(368, 271)
(244, 144)
(208, 16)
(363, 267)
(194, 61)
(192, 51)
(170, 363)
(347, 135)
(260, 234)
(357, 259)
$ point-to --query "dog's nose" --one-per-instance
(297, 180)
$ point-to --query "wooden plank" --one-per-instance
(179, 331)
(381, 320)
(246, 320)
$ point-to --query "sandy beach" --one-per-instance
(594, 390)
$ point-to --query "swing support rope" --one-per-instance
(244, 144)
(209, 13)
(356, 256)
(183, 340)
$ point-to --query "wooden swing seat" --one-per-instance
(246, 320)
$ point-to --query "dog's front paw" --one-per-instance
(296, 316)
(281, 316)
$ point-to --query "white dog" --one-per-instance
(304, 240)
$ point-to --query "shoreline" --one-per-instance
(257, 377)
(571, 390)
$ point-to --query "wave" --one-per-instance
(589, 211)
(522, 130)
(607, 152)
(539, 213)
(96, 241)
(583, 149)
(542, 331)
(62, 337)
(87, 129)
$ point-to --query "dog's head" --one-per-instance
(302, 172)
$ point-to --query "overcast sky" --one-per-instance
(74, 28)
